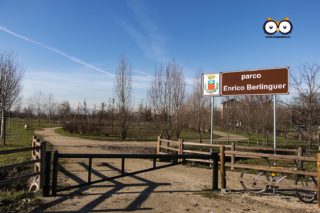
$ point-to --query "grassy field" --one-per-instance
(259, 140)
(14, 197)
(17, 137)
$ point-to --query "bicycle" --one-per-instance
(304, 190)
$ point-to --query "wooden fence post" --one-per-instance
(154, 162)
(318, 178)
(300, 154)
(233, 148)
(43, 145)
(89, 170)
(182, 146)
(158, 144)
(222, 169)
(122, 165)
(180, 151)
(214, 158)
(55, 174)
(46, 184)
(33, 144)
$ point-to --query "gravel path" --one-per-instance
(174, 189)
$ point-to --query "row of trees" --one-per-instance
(166, 96)
(168, 105)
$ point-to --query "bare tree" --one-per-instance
(64, 111)
(29, 111)
(263, 115)
(10, 85)
(198, 108)
(166, 96)
(84, 109)
(306, 104)
(123, 94)
(255, 114)
(230, 116)
(111, 111)
(284, 119)
(247, 113)
(144, 112)
(37, 101)
(15, 110)
(50, 106)
(17, 106)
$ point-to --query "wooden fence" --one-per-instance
(168, 146)
(38, 160)
(229, 154)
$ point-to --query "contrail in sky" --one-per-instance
(70, 57)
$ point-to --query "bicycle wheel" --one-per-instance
(307, 194)
(257, 185)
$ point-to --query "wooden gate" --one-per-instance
(179, 159)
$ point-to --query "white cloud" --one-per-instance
(146, 35)
(54, 50)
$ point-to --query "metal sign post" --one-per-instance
(211, 129)
(249, 82)
(274, 125)
(211, 87)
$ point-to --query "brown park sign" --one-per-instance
(256, 82)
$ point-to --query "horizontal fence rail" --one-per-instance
(233, 152)
(24, 149)
(4, 182)
(38, 151)
(269, 156)
(271, 169)
(11, 166)
(136, 156)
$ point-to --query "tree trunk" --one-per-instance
(285, 137)
(3, 127)
(310, 139)
(49, 118)
(200, 136)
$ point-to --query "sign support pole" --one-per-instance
(274, 125)
(211, 129)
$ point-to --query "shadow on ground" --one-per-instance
(114, 187)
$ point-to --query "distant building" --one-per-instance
(229, 105)
(229, 112)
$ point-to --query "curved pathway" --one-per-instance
(174, 189)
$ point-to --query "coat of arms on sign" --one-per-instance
(213, 84)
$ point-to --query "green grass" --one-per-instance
(291, 141)
(17, 201)
(17, 137)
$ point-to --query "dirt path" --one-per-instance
(232, 137)
(174, 189)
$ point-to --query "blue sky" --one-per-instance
(71, 48)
